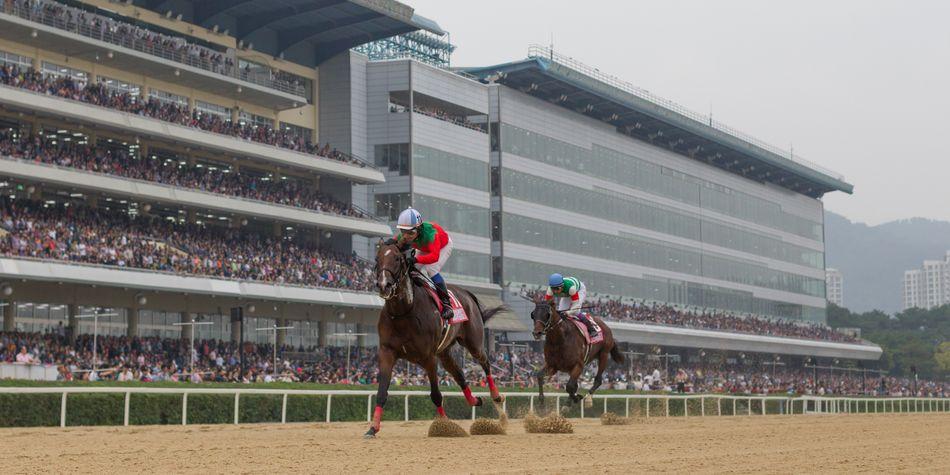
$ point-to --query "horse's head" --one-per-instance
(391, 268)
(544, 315)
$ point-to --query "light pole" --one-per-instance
(349, 338)
(95, 333)
(274, 329)
(191, 356)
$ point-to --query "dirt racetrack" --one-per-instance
(783, 444)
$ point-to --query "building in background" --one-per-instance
(834, 286)
(929, 286)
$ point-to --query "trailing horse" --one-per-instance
(566, 349)
(410, 328)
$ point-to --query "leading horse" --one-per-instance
(566, 350)
(411, 329)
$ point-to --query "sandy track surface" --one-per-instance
(783, 444)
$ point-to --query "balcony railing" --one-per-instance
(129, 36)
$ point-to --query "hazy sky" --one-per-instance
(861, 87)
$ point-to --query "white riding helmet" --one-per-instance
(409, 219)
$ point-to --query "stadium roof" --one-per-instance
(303, 31)
(642, 115)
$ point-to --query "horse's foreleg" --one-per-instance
(387, 359)
(453, 368)
(434, 393)
(572, 383)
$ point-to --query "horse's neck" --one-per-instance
(556, 333)
(402, 303)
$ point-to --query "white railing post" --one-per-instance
(702, 406)
(531, 403)
(605, 405)
(685, 407)
(582, 408)
(648, 406)
(184, 409)
(749, 407)
(62, 410)
(764, 401)
(557, 404)
(473, 413)
(627, 407)
(125, 418)
(405, 409)
(369, 407)
(719, 406)
(734, 406)
(329, 405)
(504, 405)
(283, 409)
(667, 404)
(237, 406)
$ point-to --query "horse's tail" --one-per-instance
(487, 313)
(616, 355)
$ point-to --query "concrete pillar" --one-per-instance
(361, 339)
(236, 331)
(281, 334)
(131, 321)
(322, 333)
(72, 322)
(191, 216)
(278, 229)
(9, 316)
(186, 330)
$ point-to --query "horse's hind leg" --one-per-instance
(453, 368)
(599, 377)
(434, 393)
(481, 356)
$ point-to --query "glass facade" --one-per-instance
(654, 254)
(532, 274)
(627, 170)
(468, 265)
(454, 216)
(449, 167)
(393, 157)
(645, 214)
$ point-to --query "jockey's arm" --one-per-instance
(548, 295)
(575, 302)
(430, 254)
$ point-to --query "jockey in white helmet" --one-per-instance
(434, 246)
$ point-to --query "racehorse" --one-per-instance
(410, 328)
(566, 350)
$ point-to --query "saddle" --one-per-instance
(583, 329)
(458, 312)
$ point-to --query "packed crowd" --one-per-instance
(153, 359)
(171, 171)
(662, 314)
(175, 48)
(81, 234)
(101, 95)
(125, 34)
(445, 116)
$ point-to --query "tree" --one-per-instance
(942, 357)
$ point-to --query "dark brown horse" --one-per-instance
(566, 350)
(410, 328)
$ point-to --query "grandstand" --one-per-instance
(165, 161)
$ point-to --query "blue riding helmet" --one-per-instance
(555, 280)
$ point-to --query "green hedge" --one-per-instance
(34, 410)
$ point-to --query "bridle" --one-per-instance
(549, 325)
(397, 276)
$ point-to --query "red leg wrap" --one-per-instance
(441, 412)
(492, 387)
(377, 417)
(468, 396)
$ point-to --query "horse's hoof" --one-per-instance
(478, 401)
(588, 401)
(500, 399)
(371, 433)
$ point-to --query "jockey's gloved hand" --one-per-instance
(411, 261)
(390, 241)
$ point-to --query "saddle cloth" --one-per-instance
(583, 329)
(458, 312)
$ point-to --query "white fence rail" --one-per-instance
(653, 405)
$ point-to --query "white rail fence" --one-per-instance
(645, 405)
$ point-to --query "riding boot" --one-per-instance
(447, 312)
(591, 329)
